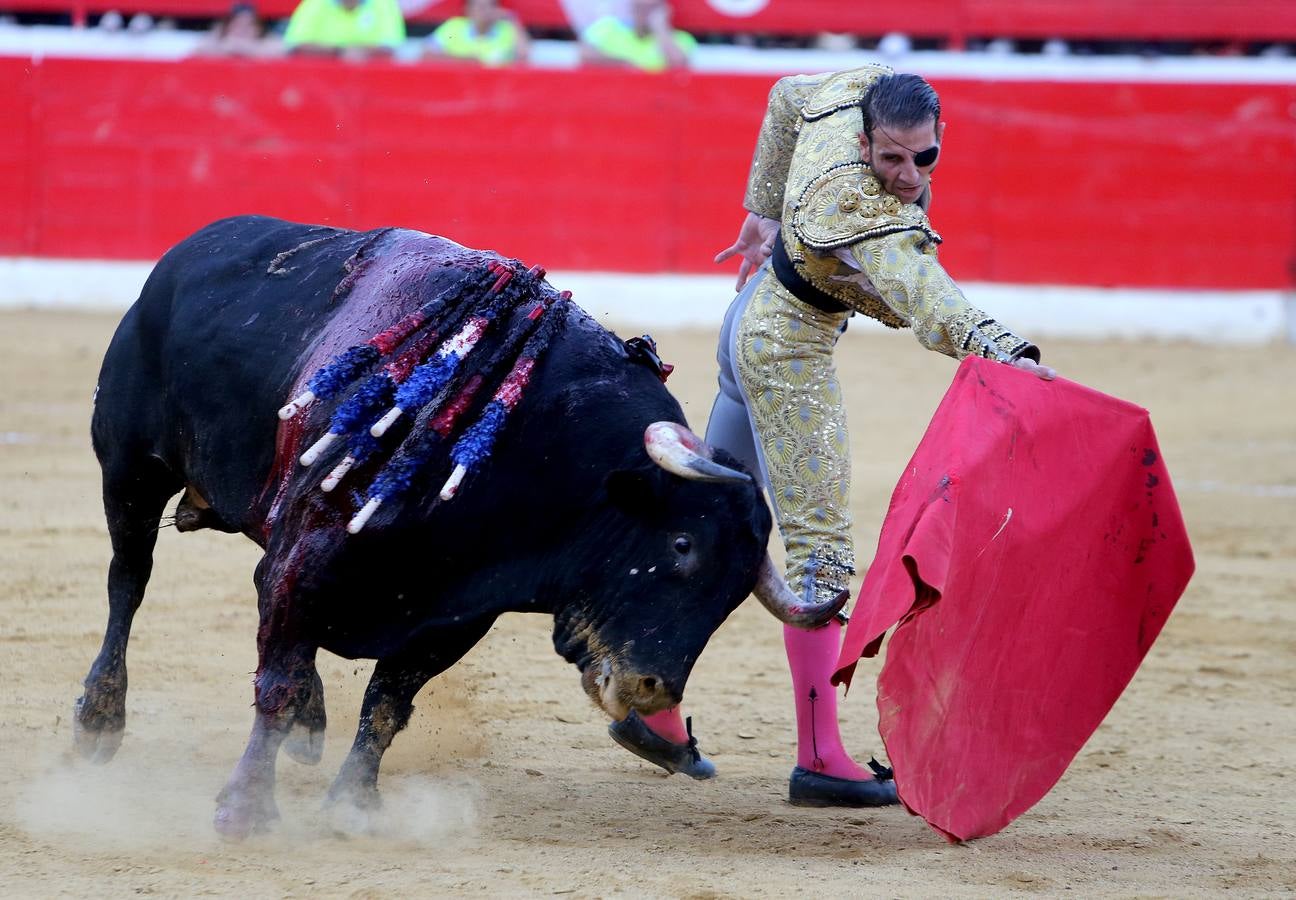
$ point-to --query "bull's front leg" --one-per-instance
(388, 703)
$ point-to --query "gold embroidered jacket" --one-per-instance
(846, 235)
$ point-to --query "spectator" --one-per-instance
(1055, 47)
(486, 33)
(348, 28)
(240, 33)
(834, 42)
(581, 14)
(646, 41)
(894, 45)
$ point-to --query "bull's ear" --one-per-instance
(632, 490)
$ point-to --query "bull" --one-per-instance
(590, 501)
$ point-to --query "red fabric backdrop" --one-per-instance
(1043, 182)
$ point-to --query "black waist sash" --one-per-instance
(803, 290)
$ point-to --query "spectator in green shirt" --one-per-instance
(351, 28)
(485, 33)
(646, 42)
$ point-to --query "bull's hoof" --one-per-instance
(96, 746)
(240, 815)
(305, 745)
(97, 729)
(352, 809)
(642, 741)
(806, 788)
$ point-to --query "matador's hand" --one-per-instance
(755, 243)
(1025, 362)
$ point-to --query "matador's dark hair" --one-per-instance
(902, 101)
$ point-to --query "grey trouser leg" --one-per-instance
(730, 426)
(781, 405)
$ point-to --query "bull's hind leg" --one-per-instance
(134, 496)
(246, 804)
(285, 685)
(305, 742)
(388, 703)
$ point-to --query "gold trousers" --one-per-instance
(782, 357)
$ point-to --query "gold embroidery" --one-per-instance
(910, 280)
(783, 357)
(841, 282)
(841, 90)
(829, 213)
(786, 124)
(807, 172)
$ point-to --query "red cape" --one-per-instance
(1031, 553)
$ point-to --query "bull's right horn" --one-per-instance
(775, 595)
(681, 452)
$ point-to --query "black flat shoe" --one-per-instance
(806, 788)
(642, 741)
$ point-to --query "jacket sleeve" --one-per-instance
(774, 147)
(911, 281)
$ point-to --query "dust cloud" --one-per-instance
(168, 804)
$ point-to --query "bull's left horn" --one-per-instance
(681, 452)
(775, 595)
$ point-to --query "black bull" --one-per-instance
(638, 563)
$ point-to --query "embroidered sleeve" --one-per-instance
(774, 147)
(911, 281)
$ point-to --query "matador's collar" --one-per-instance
(842, 90)
(847, 204)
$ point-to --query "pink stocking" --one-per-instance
(668, 724)
(812, 656)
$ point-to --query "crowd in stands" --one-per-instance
(627, 33)
(633, 33)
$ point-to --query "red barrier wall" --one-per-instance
(1100, 184)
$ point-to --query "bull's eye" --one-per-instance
(683, 545)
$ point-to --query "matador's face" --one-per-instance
(890, 154)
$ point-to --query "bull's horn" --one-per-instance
(681, 452)
(775, 595)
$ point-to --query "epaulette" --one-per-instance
(846, 204)
(841, 90)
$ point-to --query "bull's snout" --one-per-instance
(652, 695)
(617, 692)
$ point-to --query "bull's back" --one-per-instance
(202, 359)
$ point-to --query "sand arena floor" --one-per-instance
(506, 783)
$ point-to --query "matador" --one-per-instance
(837, 224)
